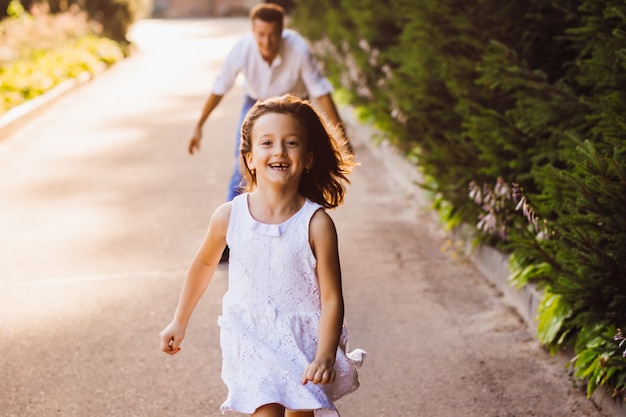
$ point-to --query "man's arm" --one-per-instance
(327, 104)
(209, 106)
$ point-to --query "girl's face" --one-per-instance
(278, 152)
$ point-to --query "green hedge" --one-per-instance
(519, 106)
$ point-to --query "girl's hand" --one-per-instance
(171, 338)
(319, 372)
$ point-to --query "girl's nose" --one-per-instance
(280, 149)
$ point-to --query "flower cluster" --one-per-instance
(619, 337)
(532, 218)
(493, 201)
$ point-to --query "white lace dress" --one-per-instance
(270, 316)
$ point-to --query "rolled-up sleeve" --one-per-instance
(231, 67)
(316, 83)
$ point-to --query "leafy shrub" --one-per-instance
(509, 92)
(587, 260)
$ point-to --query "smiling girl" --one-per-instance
(283, 334)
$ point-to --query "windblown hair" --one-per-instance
(268, 12)
(325, 183)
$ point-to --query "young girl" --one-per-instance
(283, 336)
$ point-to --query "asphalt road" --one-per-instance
(102, 209)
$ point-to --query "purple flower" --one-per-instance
(619, 337)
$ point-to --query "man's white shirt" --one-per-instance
(293, 71)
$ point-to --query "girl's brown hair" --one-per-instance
(326, 181)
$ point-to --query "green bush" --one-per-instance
(587, 258)
(582, 198)
(524, 101)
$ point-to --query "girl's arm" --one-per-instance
(198, 277)
(323, 237)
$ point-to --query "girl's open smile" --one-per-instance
(279, 165)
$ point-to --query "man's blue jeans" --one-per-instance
(234, 187)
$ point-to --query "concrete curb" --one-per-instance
(491, 263)
(17, 116)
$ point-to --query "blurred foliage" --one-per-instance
(40, 50)
(113, 16)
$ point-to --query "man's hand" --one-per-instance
(194, 142)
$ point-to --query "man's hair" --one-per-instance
(268, 12)
(287, 5)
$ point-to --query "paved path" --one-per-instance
(101, 210)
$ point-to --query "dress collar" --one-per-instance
(265, 229)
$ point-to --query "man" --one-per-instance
(274, 61)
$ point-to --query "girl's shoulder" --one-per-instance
(221, 215)
(321, 222)
(224, 209)
(322, 233)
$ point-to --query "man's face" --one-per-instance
(267, 37)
